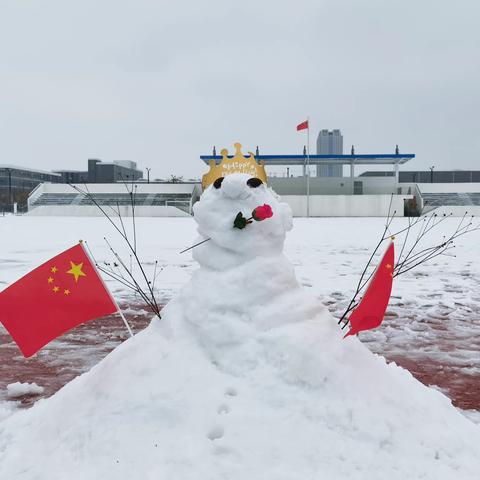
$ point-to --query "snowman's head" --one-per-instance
(215, 213)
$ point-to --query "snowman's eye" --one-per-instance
(218, 182)
(254, 182)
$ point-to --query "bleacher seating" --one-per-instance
(179, 200)
(56, 199)
(450, 199)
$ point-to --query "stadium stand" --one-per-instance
(447, 199)
(150, 199)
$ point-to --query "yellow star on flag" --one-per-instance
(76, 271)
(55, 289)
(54, 269)
(50, 280)
(66, 292)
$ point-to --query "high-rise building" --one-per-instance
(330, 142)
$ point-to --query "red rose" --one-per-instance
(262, 212)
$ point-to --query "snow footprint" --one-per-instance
(216, 433)
(231, 392)
(223, 409)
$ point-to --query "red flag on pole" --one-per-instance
(371, 310)
(302, 126)
(52, 299)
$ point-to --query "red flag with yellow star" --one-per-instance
(52, 299)
(371, 309)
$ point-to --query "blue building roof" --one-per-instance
(367, 159)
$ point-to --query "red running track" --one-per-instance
(77, 351)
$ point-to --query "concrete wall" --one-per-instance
(318, 185)
(346, 205)
(384, 185)
(336, 185)
(93, 211)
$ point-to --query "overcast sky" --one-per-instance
(160, 82)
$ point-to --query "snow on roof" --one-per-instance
(16, 167)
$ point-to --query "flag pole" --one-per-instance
(123, 318)
(308, 167)
(94, 263)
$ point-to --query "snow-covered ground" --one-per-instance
(432, 326)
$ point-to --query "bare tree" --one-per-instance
(175, 179)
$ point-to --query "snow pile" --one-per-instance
(18, 389)
(246, 376)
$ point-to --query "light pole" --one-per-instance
(10, 196)
(148, 174)
(431, 173)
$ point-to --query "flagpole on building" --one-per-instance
(308, 167)
(94, 263)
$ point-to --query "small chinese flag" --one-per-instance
(52, 299)
(302, 126)
(371, 310)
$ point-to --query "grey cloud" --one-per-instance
(160, 82)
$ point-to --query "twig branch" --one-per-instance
(411, 256)
(362, 284)
(196, 245)
(131, 282)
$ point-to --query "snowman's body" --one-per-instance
(246, 376)
(245, 285)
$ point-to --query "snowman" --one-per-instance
(245, 376)
(245, 285)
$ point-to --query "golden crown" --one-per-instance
(237, 164)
